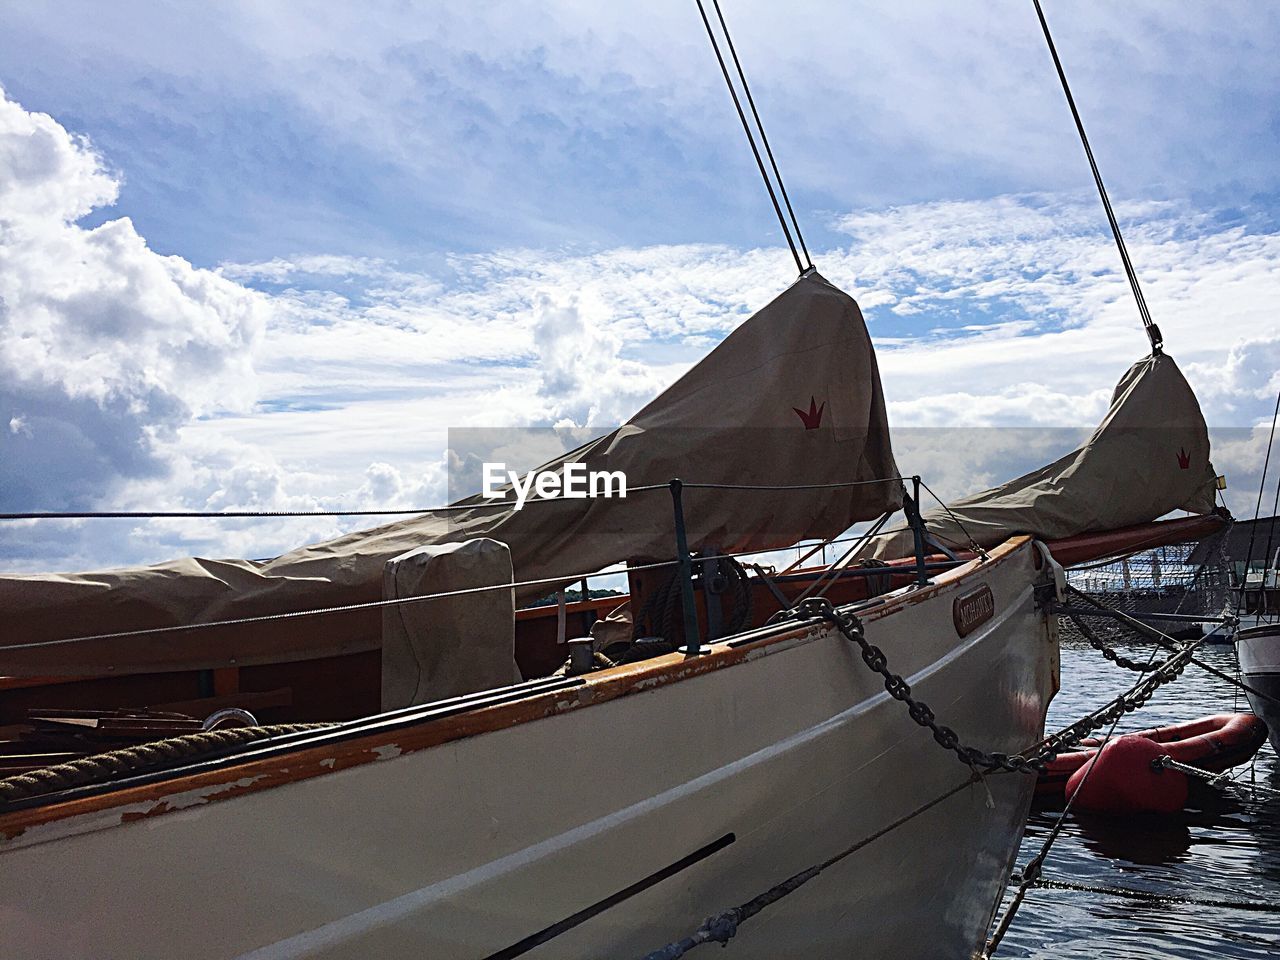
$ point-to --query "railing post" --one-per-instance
(912, 507)
(712, 589)
(588, 617)
(684, 570)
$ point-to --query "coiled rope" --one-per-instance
(141, 758)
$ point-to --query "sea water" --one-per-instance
(1225, 848)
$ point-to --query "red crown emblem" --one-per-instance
(1184, 458)
(813, 419)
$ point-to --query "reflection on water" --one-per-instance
(1222, 848)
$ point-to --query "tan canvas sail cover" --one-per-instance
(792, 396)
(1149, 456)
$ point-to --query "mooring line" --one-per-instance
(1223, 779)
(535, 940)
(722, 927)
(1130, 893)
(1162, 639)
(1031, 872)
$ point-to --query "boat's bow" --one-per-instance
(601, 817)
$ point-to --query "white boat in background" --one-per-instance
(1257, 635)
(1258, 647)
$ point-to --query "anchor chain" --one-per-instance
(1108, 652)
(1033, 761)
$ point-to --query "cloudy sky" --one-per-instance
(263, 256)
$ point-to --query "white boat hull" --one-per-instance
(749, 773)
(1258, 648)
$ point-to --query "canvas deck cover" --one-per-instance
(1148, 457)
(793, 396)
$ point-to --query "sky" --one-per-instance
(264, 256)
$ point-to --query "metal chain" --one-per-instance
(1110, 653)
(1033, 761)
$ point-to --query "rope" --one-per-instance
(317, 611)
(658, 616)
(341, 608)
(746, 128)
(1268, 558)
(722, 927)
(373, 604)
(1223, 779)
(833, 570)
(1166, 641)
(1031, 872)
(776, 486)
(1153, 332)
(1105, 561)
(213, 514)
(1162, 898)
(973, 544)
(143, 757)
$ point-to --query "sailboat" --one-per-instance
(1258, 649)
(1257, 632)
(375, 747)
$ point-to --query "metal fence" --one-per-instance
(1162, 580)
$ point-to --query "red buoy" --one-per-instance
(1213, 744)
(1122, 782)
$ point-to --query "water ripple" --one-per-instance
(1225, 847)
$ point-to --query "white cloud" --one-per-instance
(280, 270)
(106, 347)
(47, 175)
(583, 377)
(132, 380)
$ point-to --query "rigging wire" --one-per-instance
(1268, 558)
(217, 514)
(454, 507)
(553, 581)
(746, 128)
(833, 570)
(1257, 512)
(1153, 332)
(751, 102)
(974, 545)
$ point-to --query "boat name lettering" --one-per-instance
(571, 482)
(973, 609)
